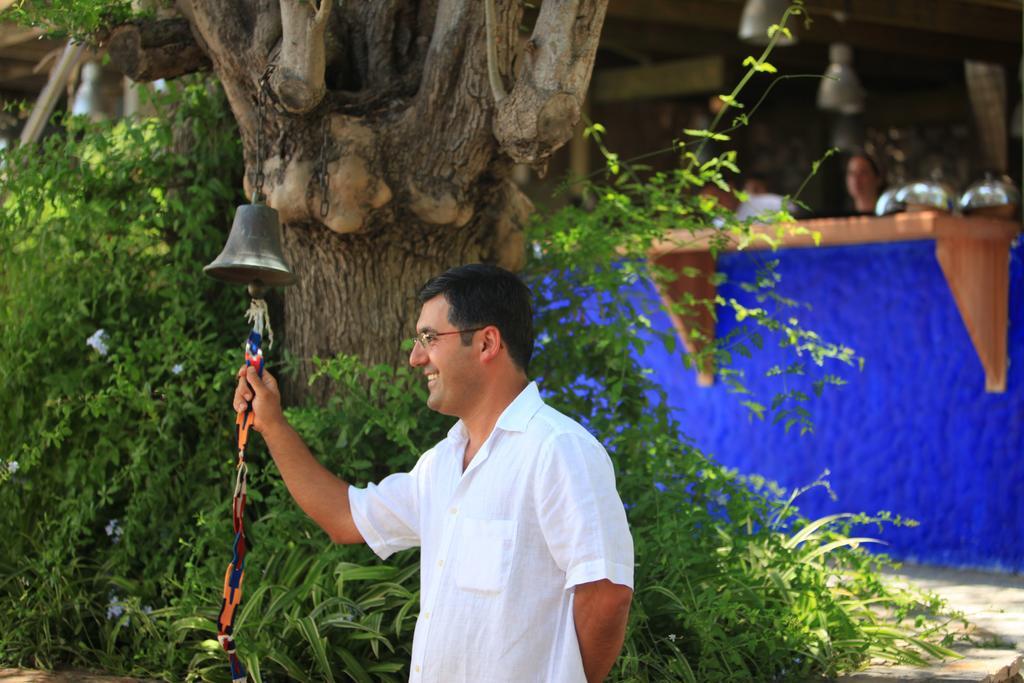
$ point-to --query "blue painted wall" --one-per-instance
(913, 433)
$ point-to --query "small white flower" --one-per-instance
(114, 530)
(178, 367)
(98, 341)
(147, 609)
(114, 608)
(13, 466)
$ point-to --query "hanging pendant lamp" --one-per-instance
(840, 89)
(758, 16)
(87, 101)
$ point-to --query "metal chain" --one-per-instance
(325, 201)
(323, 176)
(261, 105)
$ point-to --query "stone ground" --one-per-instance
(994, 603)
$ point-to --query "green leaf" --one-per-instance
(755, 408)
(698, 133)
(317, 645)
(731, 101)
(193, 624)
(353, 668)
(805, 533)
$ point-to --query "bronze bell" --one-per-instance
(252, 255)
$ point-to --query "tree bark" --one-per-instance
(384, 149)
(356, 292)
(159, 49)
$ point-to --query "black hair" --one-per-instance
(479, 295)
(871, 162)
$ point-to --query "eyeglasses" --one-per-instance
(426, 339)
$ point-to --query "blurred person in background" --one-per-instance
(760, 200)
(755, 184)
(864, 183)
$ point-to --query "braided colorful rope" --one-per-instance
(236, 569)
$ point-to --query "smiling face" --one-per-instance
(452, 369)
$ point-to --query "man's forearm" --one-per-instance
(600, 610)
(321, 495)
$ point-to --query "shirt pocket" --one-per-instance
(485, 554)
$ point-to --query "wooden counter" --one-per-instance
(973, 253)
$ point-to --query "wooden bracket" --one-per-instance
(973, 252)
(685, 300)
(978, 274)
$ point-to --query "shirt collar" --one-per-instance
(514, 418)
(519, 412)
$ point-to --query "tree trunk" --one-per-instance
(386, 132)
(356, 293)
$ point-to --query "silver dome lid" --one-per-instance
(927, 194)
(887, 203)
(989, 192)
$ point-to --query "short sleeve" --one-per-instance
(387, 514)
(581, 514)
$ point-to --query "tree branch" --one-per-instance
(148, 50)
(543, 107)
(493, 74)
(238, 35)
(298, 81)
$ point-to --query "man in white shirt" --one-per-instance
(526, 557)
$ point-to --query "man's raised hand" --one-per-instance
(262, 393)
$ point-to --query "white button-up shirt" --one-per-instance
(503, 545)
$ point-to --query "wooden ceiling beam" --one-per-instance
(940, 105)
(31, 51)
(627, 38)
(723, 17)
(949, 17)
(15, 71)
(22, 89)
(900, 41)
(1000, 4)
(715, 15)
(12, 34)
(694, 76)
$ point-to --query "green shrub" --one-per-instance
(732, 584)
(111, 364)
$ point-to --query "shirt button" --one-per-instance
(417, 668)
(440, 563)
(454, 511)
(426, 615)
